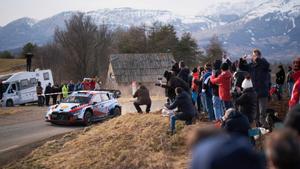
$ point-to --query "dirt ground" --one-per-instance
(13, 115)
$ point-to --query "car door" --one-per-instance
(97, 106)
(105, 101)
(12, 93)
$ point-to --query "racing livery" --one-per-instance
(84, 107)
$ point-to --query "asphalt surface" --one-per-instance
(20, 130)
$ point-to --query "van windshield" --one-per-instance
(5, 86)
(77, 99)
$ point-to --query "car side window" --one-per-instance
(104, 97)
(13, 88)
(96, 98)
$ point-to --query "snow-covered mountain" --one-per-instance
(272, 25)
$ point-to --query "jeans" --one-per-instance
(227, 105)
(188, 120)
(290, 88)
(262, 106)
(194, 96)
(203, 102)
(218, 107)
(209, 107)
(138, 108)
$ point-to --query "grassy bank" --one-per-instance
(12, 65)
(130, 141)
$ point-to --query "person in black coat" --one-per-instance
(184, 72)
(185, 107)
(247, 102)
(55, 90)
(236, 123)
(48, 91)
(172, 83)
(261, 78)
(238, 77)
(175, 69)
(280, 78)
(28, 57)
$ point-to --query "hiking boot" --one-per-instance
(171, 132)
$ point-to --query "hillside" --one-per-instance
(130, 141)
(11, 65)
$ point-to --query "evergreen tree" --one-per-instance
(213, 51)
(162, 39)
(28, 48)
(6, 55)
(188, 51)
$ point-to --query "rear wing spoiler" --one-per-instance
(116, 93)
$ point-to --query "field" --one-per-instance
(11, 65)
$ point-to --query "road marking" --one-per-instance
(9, 148)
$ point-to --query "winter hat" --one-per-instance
(226, 152)
(247, 83)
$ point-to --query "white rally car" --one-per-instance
(84, 107)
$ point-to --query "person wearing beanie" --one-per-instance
(247, 102)
(184, 72)
(224, 82)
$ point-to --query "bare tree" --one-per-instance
(80, 50)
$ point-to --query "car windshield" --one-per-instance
(77, 99)
(5, 86)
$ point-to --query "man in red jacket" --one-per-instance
(224, 82)
(296, 89)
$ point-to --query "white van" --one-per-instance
(20, 88)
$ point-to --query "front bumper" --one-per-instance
(63, 118)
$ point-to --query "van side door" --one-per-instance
(27, 91)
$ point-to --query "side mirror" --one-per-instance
(94, 103)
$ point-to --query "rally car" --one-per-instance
(84, 107)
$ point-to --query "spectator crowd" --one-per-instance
(235, 96)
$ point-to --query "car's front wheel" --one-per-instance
(9, 103)
(88, 118)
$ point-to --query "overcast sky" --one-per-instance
(39, 9)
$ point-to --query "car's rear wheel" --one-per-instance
(117, 111)
(88, 118)
(9, 103)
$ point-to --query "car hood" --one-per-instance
(66, 107)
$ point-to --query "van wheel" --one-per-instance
(9, 103)
(88, 118)
(117, 111)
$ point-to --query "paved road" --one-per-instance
(25, 128)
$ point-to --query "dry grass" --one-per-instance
(130, 141)
(11, 65)
(20, 110)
